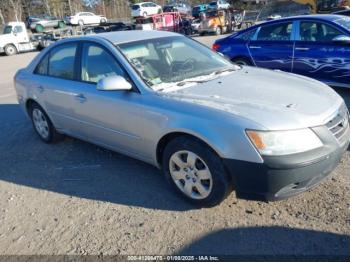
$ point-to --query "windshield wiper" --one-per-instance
(184, 82)
(224, 70)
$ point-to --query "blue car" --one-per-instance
(316, 46)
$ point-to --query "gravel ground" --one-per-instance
(76, 198)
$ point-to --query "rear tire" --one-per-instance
(43, 125)
(144, 14)
(195, 171)
(242, 61)
(10, 50)
(103, 21)
(61, 24)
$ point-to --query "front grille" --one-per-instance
(339, 124)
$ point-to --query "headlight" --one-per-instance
(275, 143)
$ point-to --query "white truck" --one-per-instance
(15, 39)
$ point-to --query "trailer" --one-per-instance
(167, 21)
(16, 39)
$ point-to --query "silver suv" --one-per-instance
(210, 125)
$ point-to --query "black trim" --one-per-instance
(77, 62)
(281, 177)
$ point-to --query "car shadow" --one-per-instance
(273, 240)
(76, 168)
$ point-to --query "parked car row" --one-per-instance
(40, 23)
(149, 8)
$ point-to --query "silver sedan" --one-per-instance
(210, 125)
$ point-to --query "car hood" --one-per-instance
(273, 99)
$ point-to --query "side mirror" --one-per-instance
(113, 83)
(342, 39)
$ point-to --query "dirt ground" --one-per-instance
(76, 198)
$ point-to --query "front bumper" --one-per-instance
(285, 176)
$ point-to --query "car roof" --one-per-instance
(323, 17)
(133, 35)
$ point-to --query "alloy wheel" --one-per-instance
(40, 123)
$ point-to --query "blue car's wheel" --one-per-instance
(242, 61)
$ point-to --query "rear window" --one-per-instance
(61, 62)
(344, 22)
(212, 4)
(135, 7)
(41, 68)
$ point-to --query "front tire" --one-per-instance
(10, 50)
(43, 125)
(195, 171)
(81, 22)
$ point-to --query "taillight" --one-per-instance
(215, 47)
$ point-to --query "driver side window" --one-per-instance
(97, 63)
(317, 32)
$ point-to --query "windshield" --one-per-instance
(7, 29)
(167, 61)
(344, 22)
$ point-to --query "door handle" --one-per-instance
(302, 48)
(254, 47)
(80, 97)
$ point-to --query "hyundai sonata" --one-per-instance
(210, 125)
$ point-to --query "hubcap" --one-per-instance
(190, 174)
(40, 123)
(10, 50)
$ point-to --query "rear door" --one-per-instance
(318, 56)
(272, 46)
(55, 78)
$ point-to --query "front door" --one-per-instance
(272, 47)
(317, 55)
(109, 118)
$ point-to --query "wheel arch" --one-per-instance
(242, 57)
(175, 134)
(29, 103)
